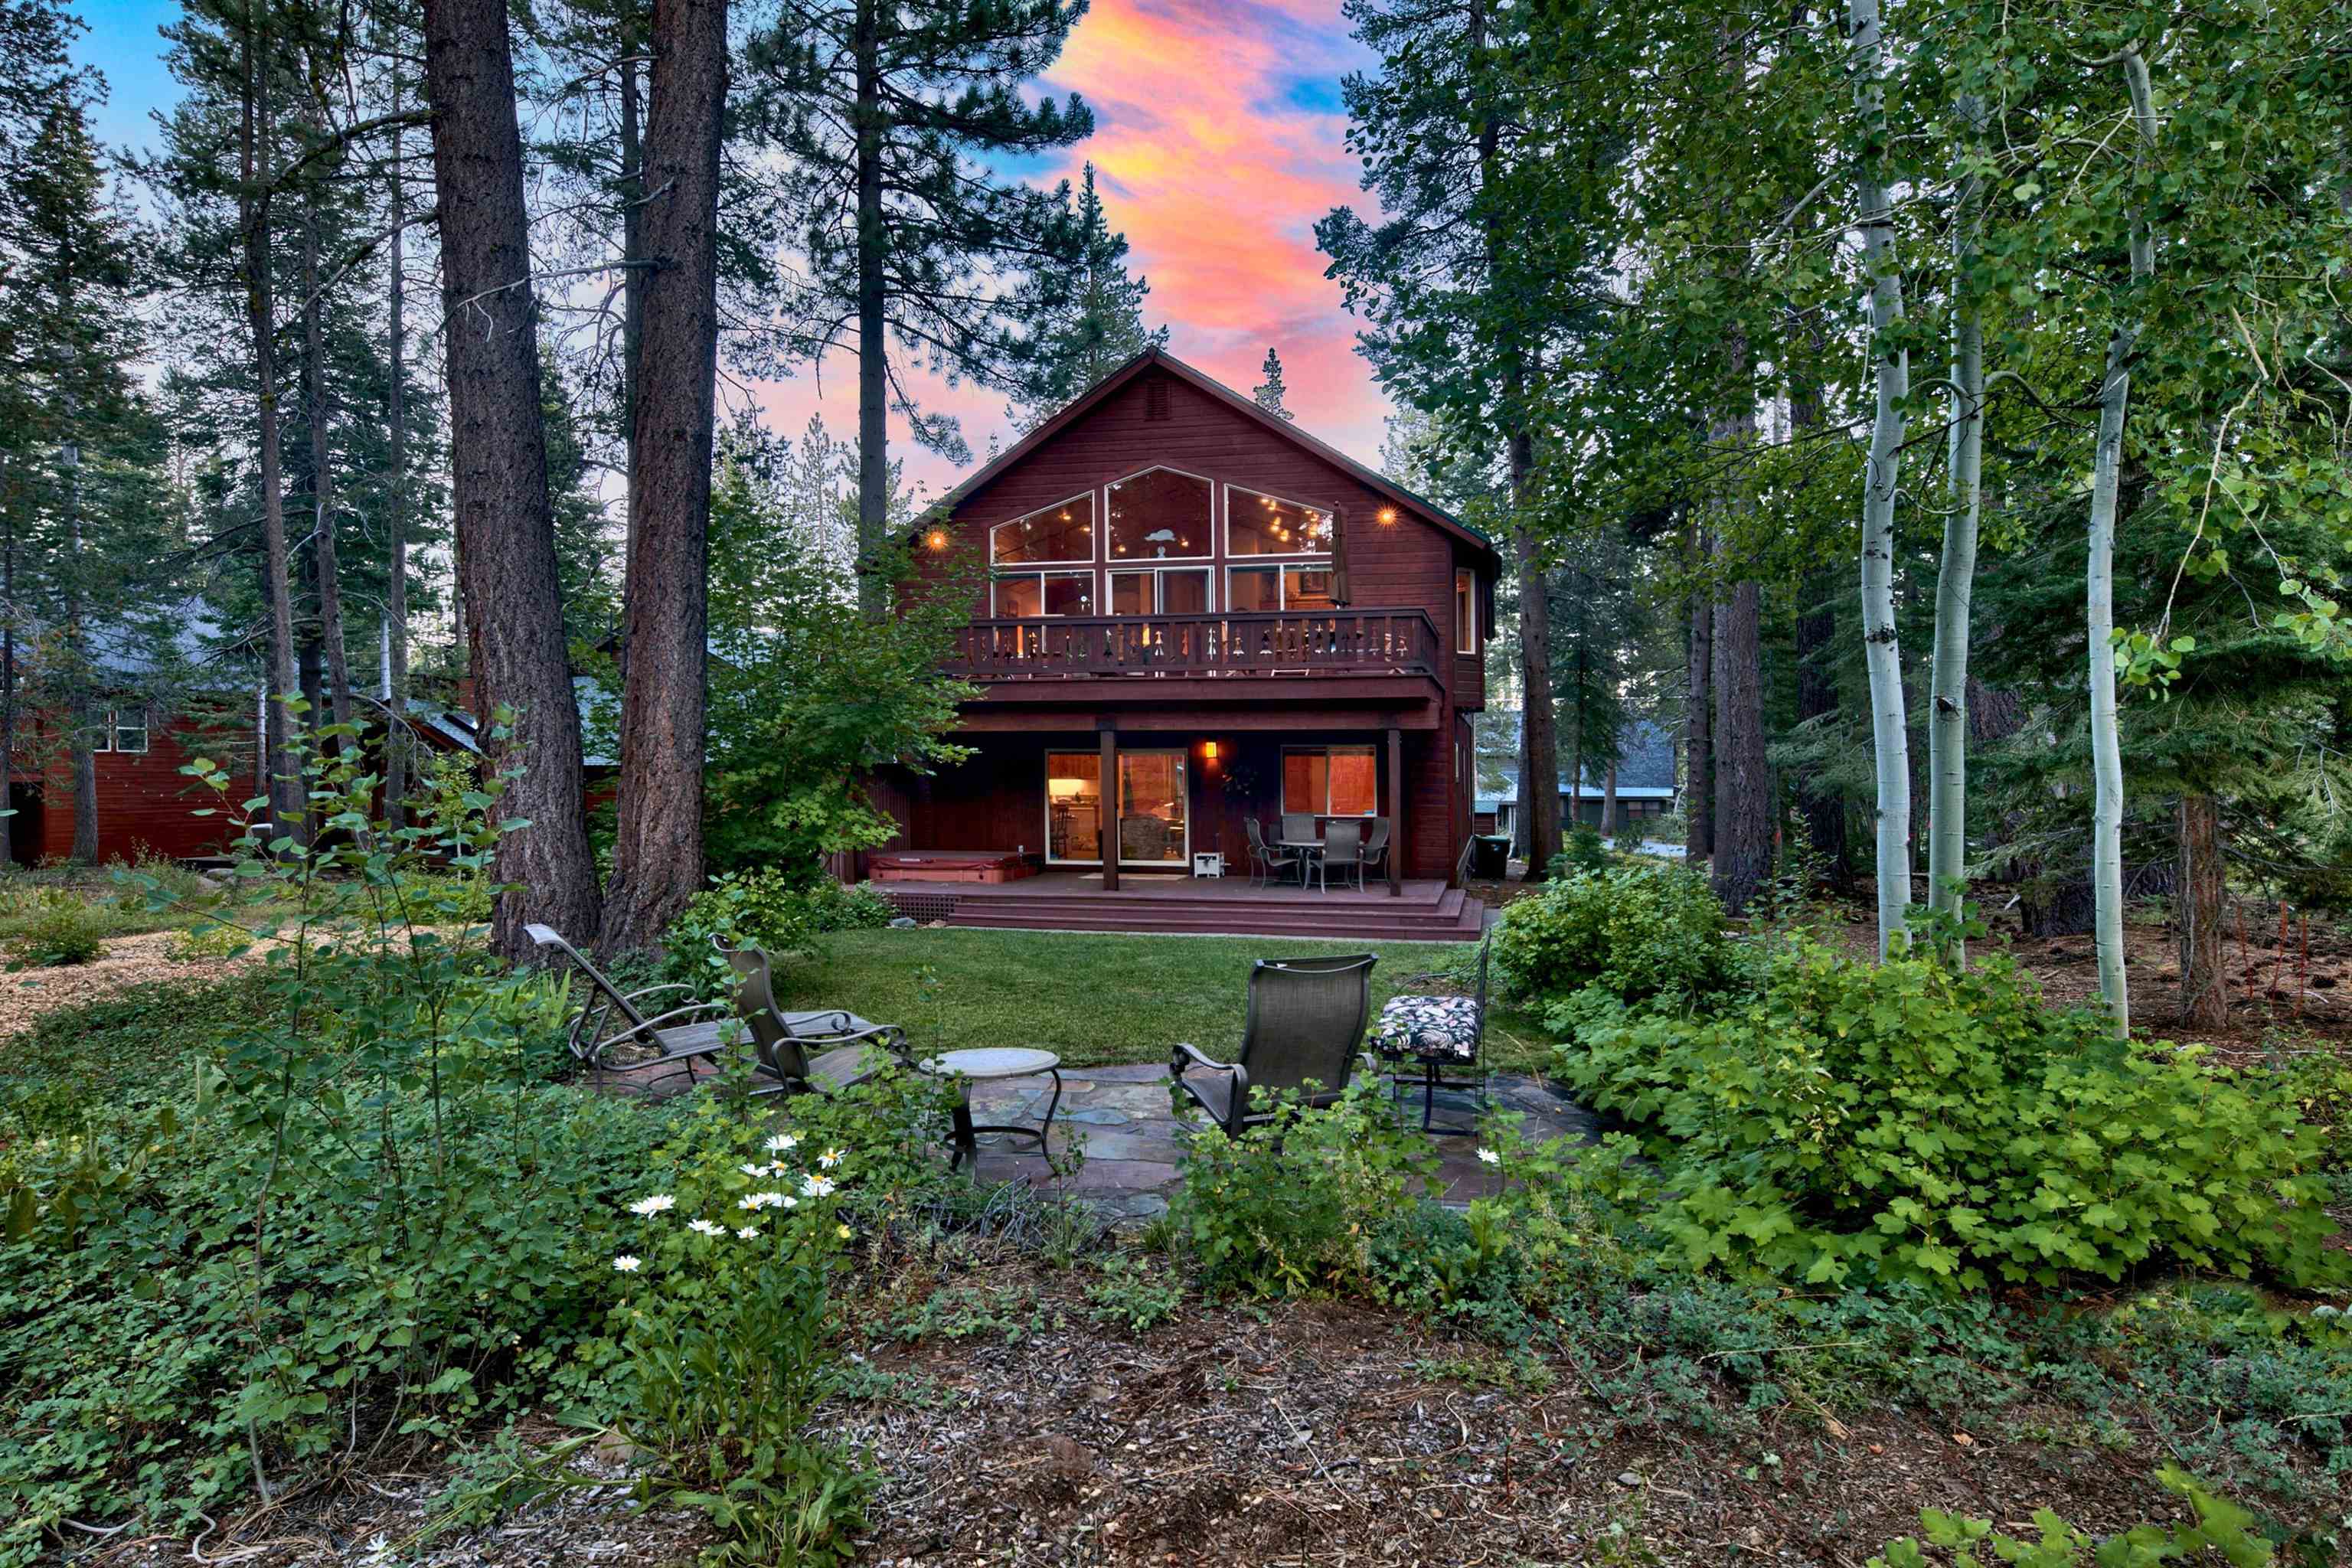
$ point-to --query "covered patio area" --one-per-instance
(1424, 910)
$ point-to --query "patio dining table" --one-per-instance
(1309, 849)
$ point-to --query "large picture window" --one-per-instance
(1024, 594)
(1063, 532)
(1331, 780)
(1160, 515)
(1298, 587)
(1257, 524)
(1172, 591)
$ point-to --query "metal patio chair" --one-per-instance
(1268, 863)
(611, 1022)
(1343, 851)
(806, 1052)
(1376, 847)
(1305, 1022)
(1299, 826)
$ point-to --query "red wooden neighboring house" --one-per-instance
(145, 805)
(1197, 615)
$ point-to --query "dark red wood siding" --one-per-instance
(145, 805)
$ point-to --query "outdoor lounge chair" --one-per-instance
(1305, 1021)
(1427, 1038)
(1269, 863)
(610, 1024)
(802, 1053)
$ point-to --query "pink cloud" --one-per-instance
(1217, 148)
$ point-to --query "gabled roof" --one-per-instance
(1094, 396)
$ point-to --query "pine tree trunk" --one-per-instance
(288, 810)
(1538, 720)
(2107, 733)
(2201, 902)
(1890, 735)
(632, 312)
(873, 347)
(84, 760)
(657, 858)
(1743, 782)
(7, 663)
(1948, 712)
(1698, 717)
(395, 592)
(497, 461)
(322, 489)
(1609, 803)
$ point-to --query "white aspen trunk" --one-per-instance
(1947, 712)
(1891, 747)
(2106, 731)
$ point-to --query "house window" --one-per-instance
(1299, 586)
(1063, 532)
(1160, 515)
(1259, 524)
(1329, 781)
(1026, 595)
(1174, 590)
(120, 729)
(1466, 612)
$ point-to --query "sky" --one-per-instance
(1218, 141)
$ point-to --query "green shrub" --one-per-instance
(63, 928)
(208, 943)
(1585, 850)
(1292, 1205)
(768, 910)
(2220, 1533)
(1902, 1120)
(1636, 931)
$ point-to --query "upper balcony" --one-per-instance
(1324, 643)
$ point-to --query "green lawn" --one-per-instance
(1095, 998)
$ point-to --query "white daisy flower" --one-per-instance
(747, 1232)
(815, 1188)
(1487, 1156)
(783, 1142)
(625, 1264)
(654, 1205)
(706, 1228)
(830, 1158)
(753, 1170)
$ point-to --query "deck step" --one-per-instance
(1425, 923)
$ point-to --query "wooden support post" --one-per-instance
(1397, 793)
(1109, 807)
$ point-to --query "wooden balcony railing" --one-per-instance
(1255, 642)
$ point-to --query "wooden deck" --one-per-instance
(1426, 909)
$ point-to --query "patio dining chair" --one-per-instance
(1376, 847)
(806, 1052)
(1269, 863)
(1343, 851)
(612, 1031)
(1299, 826)
(1432, 1043)
(1305, 1022)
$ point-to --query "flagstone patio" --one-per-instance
(1134, 1140)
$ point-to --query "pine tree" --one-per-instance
(884, 113)
(1088, 319)
(1269, 393)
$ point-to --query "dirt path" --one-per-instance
(127, 961)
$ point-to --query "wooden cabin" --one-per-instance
(1198, 614)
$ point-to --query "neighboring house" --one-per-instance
(1197, 615)
(1645, 783)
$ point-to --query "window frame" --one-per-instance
(1112, 562)
(1039, 574)
(1226, 527)
(1466, 610)
(1204, 570)
(115, 727)
(1368, 749)
(1094, 533)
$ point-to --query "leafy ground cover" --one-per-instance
(1095, 998)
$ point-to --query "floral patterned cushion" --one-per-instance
(1444, 1028)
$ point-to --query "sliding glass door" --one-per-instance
(1152, 827)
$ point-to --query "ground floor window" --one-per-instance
(1151, 821)
(121, 729)
(1331, 780)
